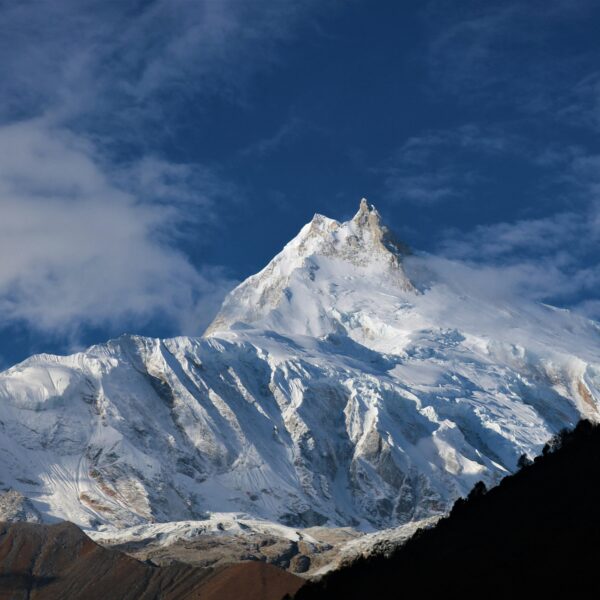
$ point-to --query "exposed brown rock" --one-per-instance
(250, 581)
(54, 562)
(300, 563)
(219, 550)
(586, 396)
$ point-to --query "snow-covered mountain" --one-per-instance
(348, 383)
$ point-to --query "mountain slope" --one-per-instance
(347, 383)
(535, 535)
(54, 562)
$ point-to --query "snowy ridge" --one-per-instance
(307, 268)
(348, 383)
(216, 524)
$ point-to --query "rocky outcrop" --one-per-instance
(15, 507)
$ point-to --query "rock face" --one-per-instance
(349, 383)
(212, 549)
(14, 507)
(223, 540)
(54, 562)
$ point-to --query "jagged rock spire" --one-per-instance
(368, 219)
(366, 212)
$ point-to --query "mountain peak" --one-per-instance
(360, 240)
(365, 210)
(368, 219)
(299, 289)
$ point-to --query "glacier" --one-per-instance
(349, 383)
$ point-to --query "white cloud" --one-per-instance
(79, 248)
(502, 240)
(551, 259)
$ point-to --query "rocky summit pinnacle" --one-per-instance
(365, 210)
(368, 219)
(327, 391)
(299, 282)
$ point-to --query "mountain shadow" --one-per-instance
(537, 534)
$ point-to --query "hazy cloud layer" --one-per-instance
(92, 57)
(550, 258)
(492, 51)
(553, 259)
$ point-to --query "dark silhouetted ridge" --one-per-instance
(535, 535)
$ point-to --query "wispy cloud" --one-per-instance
(290, 130)
(436, 166)
(79, 248)
(460, 52)
(494, 51)
(582, 103)
(529, 86)
(142, 57)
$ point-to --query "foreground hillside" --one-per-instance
(535, 535)
(59, 562)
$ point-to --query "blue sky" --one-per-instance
(154, 153)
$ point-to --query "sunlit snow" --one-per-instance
(348, 383)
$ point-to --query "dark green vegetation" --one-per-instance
(535, 535)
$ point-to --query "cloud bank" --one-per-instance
(79, 248)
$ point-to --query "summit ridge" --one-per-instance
(325, 256)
